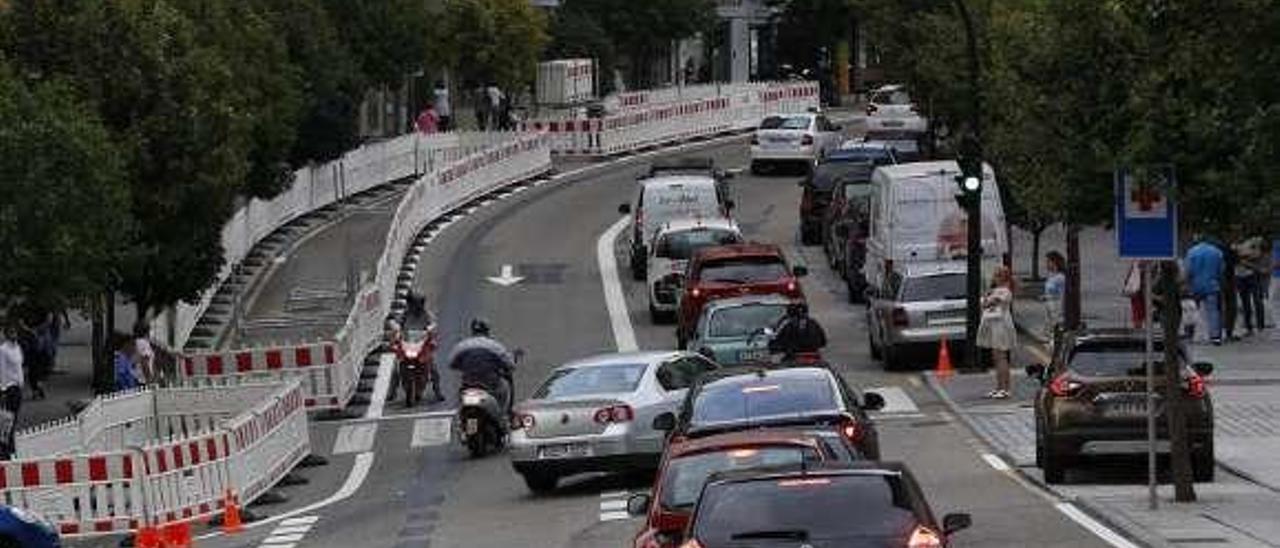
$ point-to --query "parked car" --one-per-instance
(22, 529)
(915, 218)
(845, 504)
(848, 215)
(891, 107)
(801, 139)
(596, 415)
(659, 200)
(732, 331)
(818, 187)
(732, 399)
(1093, 402)
(733, 271)
(872, 152)
(919, 306)
(687, 465)
(669, 253)
(908, 145)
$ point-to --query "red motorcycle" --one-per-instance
(415, 363)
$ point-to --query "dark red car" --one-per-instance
(732, 271)
(686, 465)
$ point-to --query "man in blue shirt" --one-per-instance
(1205, 266)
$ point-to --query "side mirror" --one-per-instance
(665, 422)
(955, 522)
(1035, 371)
(872, 401)
(638, 504)
(624, 209)
(1204, 369)
(799, 271)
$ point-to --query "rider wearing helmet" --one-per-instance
(798, 333)
(485, 363)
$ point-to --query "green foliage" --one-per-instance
(389, 38)
(496, 41)
(639, 31)
(575, 34)
(64, 219)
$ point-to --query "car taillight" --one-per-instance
(695, 293)
(1195, 387)
(900, 318)
(1062, 386)
(923, 537)
(851, 429)
(614, 413)
(524, 420)
(807, 140)
(791, 287)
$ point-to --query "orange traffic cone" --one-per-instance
(231, 523)
(944, 370)
(177, 535)
(147, 537)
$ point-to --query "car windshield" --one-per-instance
(741, 321)
(897, 97)
(1114, 360)
(785, 122)
(813, 510)
(940, 287)
(681, 245)
(735, 400)
(744, 270)
(586, 381)
(826, 174)
(684, 477)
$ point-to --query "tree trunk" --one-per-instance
(1071, 314)
(98, 346)
(1035, 252)
(1179, 446)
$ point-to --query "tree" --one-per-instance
(643, 31)
(575, 34)
(496, 41)
(65, 217)
(389, 39)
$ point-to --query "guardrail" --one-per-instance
(202, 444)
(732, 108)
(329, 370)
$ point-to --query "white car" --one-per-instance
(793, 138)
(664, 198)
(890, 107)
(669, 254)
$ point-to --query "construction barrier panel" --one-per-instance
(329, 370)
(204, 442)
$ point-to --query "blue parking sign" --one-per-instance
(1146, 215)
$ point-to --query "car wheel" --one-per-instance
(808, 236)
(891, 360)
(1054, 466)
(540, 482)
(1202, 464)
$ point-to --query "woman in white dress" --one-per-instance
(996, 332)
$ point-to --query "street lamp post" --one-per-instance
(970, 182)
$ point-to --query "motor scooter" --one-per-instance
(483, 421)
(415, 362)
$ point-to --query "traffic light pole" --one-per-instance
(971, 166)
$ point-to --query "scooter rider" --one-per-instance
(485, 363)
(798, 333)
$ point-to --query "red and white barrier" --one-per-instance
(204, 443)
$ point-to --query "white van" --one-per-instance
(915, 218)
(662, 199)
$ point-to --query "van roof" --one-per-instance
(925, 169)
(671, 181)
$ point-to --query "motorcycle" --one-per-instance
(483, 422)
(779, 359)
(415, 363)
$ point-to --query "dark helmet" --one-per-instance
(479, 328)
(797, 309)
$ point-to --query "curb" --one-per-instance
(1127, 528)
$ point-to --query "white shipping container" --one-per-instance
(565, 81)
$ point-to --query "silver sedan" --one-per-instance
(916, 310)
(596, 415)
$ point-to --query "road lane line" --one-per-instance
(282, 539)
(896, 400)
(291, 529)
(431, 432)
(613, 516)
(1102, 531)
(304, 520)
(623, 334)
(355, 438)
(996, 462)
(613, 505)
(613, 494)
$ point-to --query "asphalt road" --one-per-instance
(421, 490)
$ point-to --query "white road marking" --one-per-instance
(282, 539)
(430, 432)
(996, 462)
(613, 516)
(611, 505)
(291, 529)
(288, 545)
(355, 438)
(623, 334)
(915, 381)
(1102, 531)
(613, 494)
(896, 401)
(289, 533)
(304, 520)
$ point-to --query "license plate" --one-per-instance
(564, 451)
(753, 355)
(892, 123)
(1126, 410)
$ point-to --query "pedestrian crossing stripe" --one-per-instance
(613, 506)
(431, 432)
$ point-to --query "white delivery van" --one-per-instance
(915, 218)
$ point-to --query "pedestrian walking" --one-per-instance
(126, 376)
(428, 121)
(1205, 265)
(1055, 289)
(11, 382)
(1228, 298)
(1134, 285)
(493, 98)
(1251, 275)
(58, 321)
(36, 354)
(444, 109)
(144, 356)
(482, 108)
(996, 332)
